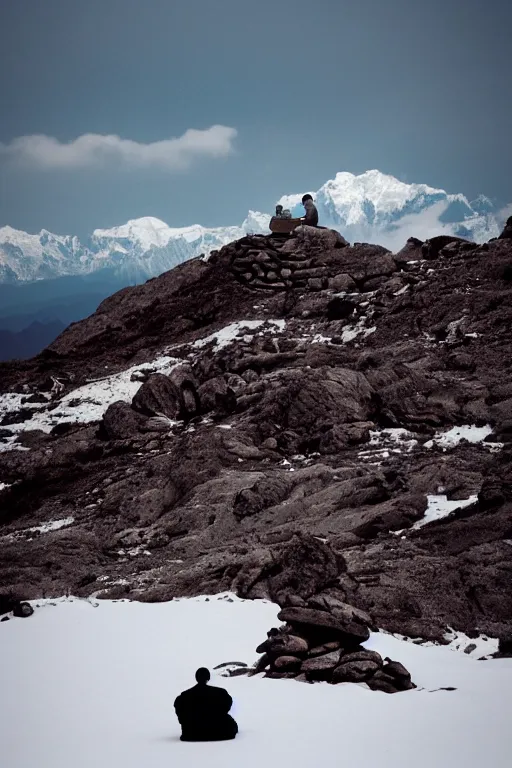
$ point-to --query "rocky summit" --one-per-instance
(325, 425)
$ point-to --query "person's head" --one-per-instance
(306, 197)
(202, 675)
(279, 209)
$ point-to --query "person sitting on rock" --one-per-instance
(203, 711)
(282, 213)
(311, 217)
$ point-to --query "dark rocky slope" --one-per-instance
(292, 427)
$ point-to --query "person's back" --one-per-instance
(203, 711)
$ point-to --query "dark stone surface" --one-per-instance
(214, 501)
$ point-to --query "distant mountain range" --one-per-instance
(369, 207)
(54, 279)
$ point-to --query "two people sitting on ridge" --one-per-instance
(310, 218)
(203, 711)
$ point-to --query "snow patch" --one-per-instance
(52, 525)
(231, 333)
(47, 527)
(349, 334)
(454, 436)
(83, 405)
(484, 646)
(439, 506)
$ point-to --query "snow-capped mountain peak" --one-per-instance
(147, 232)
(385, 192)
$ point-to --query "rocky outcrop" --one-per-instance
(507, 230)
(18, 608)
(312, 258)
(321, 642)
(289, 446)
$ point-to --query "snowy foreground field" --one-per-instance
(89, 684)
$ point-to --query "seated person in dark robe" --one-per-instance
(311, 217)
(203, 712)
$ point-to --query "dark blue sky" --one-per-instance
(421, 91)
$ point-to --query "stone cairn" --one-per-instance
(321, 641)
(279, 262)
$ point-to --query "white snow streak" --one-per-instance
(231, 333)
(439, 506)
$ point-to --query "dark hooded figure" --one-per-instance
(203, 711)
(311, 217)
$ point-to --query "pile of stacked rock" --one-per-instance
(321, 641)
(277, 263)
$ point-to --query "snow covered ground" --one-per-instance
(92, 685)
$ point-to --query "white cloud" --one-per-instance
(504, 214)
(92, 150)
(422, 225)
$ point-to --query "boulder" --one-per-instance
(22, 610)
(306, 566)
(321, 667)
(432, 247)
(342, 282)
(308, 399)
(505, 645)
(315, 283)
(287, 645)
(369, 261)
(311, 240)
(492, 494)
(121, 422)
(363, 655)
(410, 252)
(185, 380)
(354, 671)
(216, 395)
(286, 663)
(341, 610)
(312, 621)
(7, 603)
(396, 670)
(319, 650)
(507, 230)
(382, 682)
(158, 396)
